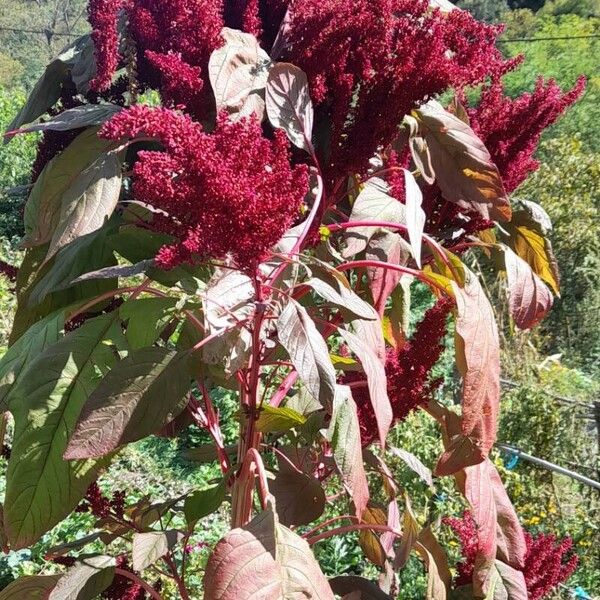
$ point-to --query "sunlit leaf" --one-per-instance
(369, 541)
(203, 502)
(151, 546)
(307, 350)
(238, 73)
(529, 299)
(415, 215)
(289, 106)
(86, 580)
(30, 587)
(463, 166)
(278, 418)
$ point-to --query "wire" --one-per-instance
(45, 32)
(551, 39)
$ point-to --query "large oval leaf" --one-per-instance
(86, 580)
(529, 299)
(139, 395)
(264, 560)
(289, 106)
(43, 208)
(463, 166)
(238, 74)
(32, 587)
(42, 488)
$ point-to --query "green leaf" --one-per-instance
(86, 580)
(43, 209)
(308, 351)
(152, 546)
(146, 318)
(17, 358)
(89, 202)
(87, 115)
(76, 59)
(273, 419)
(41, 487)
(204, 502)
(289, 106)
(31, 587)
(83, 254)
(344, 436)
(137, 397)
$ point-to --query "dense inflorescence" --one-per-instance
(123, 588)
(101, 506)
(371, 62)
(407, 371)
(548, 561)
(511, 127)
(228, 194)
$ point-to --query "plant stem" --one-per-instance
(351, 528)
(133, 577)
(180, 583)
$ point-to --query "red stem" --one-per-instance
(351, 528)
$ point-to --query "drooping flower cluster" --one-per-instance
(231, 193)
(548, 561)
(407, 371)
(372, 61)
(9, 271)
(511, 128)
(103, 17)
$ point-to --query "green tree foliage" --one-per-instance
(15, 164)
(563, 60)
(33, 31)
(573, 202)
(486, 10)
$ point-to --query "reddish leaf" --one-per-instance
(478, 358)
(479, 493)
(369, 541)
(289, 106)
(463, 166)
(376, 380)
(529, 298)
(264, 560)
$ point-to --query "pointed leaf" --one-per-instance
(17, 358)
(369, 542)
(415, 215)
(372, 204)
(41, 487)
(204, 502)
(512, 583)
(76, 58)
(344, 437)
(264, 560)
(140, 394)
(89, 202)
(87, 115)
(342, 295)
(374, 369)
(277, 419)
(152, 546)
(238, 74)
(307, 350)
(419, 150)
(414, 464)
(529, 299)
(30, 587)
(43, 208)
(478, 359)
(463, 166)
(289, 106)
(86, 580)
